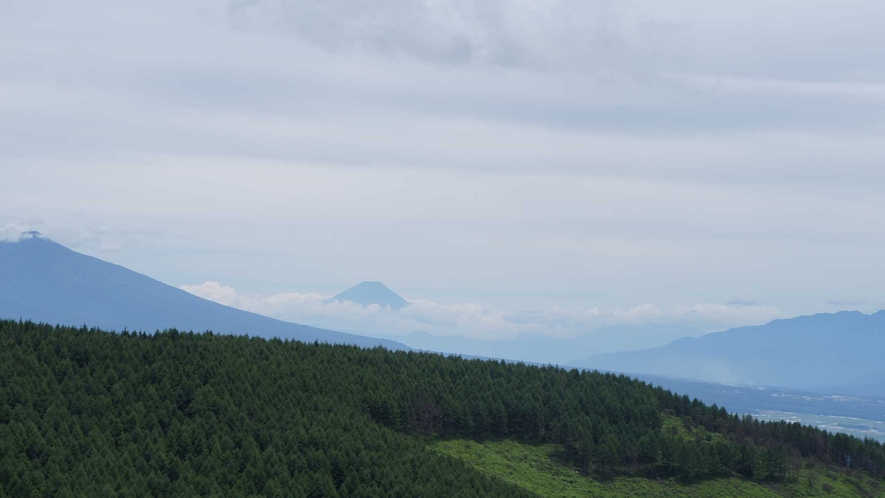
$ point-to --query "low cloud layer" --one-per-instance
(470, 319)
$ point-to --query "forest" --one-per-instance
(85, 412)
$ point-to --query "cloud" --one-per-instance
(221, 294)
(628, 152)
(292, 80)
(81, 234)
(15, 233)
(12, 232)
(718, 313)
(470, 319)
(586, 34)
(742, 301)
(843, 301)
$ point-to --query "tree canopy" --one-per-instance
(85, 412)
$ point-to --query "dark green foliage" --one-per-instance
(84, 412)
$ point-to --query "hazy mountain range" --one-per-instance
(42, 280)
(555, 350)
(529, 348)
(840, 351)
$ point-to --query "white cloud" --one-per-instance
(719, 313)
(18, 231)
(73, 231)
(581, 34)
(847, 301)
(11, 232)
(214, 291)
(471, 319)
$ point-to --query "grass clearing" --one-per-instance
(535, 468)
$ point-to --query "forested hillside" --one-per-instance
(88, 413)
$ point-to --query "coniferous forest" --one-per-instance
(89, 413)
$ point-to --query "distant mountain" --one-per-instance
(808, 352)
(368, 293)
(539, 349)
(44, 281)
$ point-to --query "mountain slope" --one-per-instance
(369, 293)
(864, 385)
(45, 281)
(810, 352)
(87, 413)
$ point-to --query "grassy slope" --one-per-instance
(533, 468)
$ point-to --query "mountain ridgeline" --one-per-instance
(44, 281)
(369, 293)
(554, 350)
(840, 352)
(89, 413)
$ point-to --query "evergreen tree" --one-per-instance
(87, 413)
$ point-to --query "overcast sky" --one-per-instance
(585, 162)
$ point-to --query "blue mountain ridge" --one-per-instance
(807, 352)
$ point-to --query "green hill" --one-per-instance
(89, 413)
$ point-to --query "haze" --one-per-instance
(508, 168)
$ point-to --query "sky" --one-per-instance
(511, 167)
